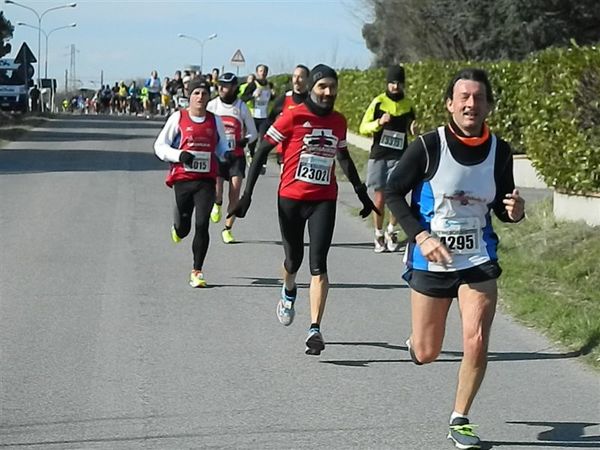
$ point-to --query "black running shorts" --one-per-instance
(446, 284)
(233, 166)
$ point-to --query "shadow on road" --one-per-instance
(276, 283)
(38, 161)
(560, 435)
(93, 121)
(455, 356)
(74, 136)
(358, 245)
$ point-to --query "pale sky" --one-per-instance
(128, 38)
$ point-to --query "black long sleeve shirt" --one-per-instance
(420, 162)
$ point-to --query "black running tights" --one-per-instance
(200, 195)
(293, 215)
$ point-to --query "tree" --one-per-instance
(410, 30)
(6, 32)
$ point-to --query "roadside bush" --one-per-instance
(547, 106)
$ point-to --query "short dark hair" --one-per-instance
(472, 74)
(262, 65)
(303, 67)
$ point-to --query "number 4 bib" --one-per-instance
(460, 235)
(314, 169)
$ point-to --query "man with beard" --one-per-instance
(239, 130)
(312, 135)
(290, 99)
(388, 119)
(259, 93)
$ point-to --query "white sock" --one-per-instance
(456, 415)
(390, 228)
(378, 233)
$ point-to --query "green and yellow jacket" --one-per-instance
(389, 140)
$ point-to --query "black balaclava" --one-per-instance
(318, 72)
(395, 73)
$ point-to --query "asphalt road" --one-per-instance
(105, 346)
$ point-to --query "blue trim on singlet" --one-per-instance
(177, 140)
(422, 197)
(490, 238)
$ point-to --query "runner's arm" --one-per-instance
(260, 158)
(277, 107)
(369, 124)
(277, 133)
(409, 171)
(222, 147)
(165, 146)
(348, 167)
(248, 92)
(505, 183)
(249, 125)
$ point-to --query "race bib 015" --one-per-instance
(200, 164)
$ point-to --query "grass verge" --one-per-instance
(551, 279)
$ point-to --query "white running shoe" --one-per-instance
(285, 308)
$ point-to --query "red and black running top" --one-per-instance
(309, 147)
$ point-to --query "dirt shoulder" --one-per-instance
(13, 126)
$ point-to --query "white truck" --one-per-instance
(13, 86)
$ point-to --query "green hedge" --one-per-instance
(547, 106)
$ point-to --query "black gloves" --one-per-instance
(243, 142)
(364, 198)
(241, 208)
(186, 158)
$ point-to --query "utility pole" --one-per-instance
(72, 66)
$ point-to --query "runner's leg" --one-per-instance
(235, 186)
(379, 201)
(204, 197)
(321, 224)
(477, 303)
(428, 325)
(184, 207)
(292, 224)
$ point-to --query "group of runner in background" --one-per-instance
(150, 97)
(455, 176)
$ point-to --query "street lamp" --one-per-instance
(39, 27)
(199, 41)
(47, 35)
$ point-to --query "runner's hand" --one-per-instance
(241, 208)
(514, 205)
(243, 142)
(384, 119)
(186, 158)
(432, 249)
(368, 205)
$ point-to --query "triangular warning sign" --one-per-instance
(238, 58)
(25, 55)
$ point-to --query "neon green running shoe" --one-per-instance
(462, 435)
(227, 236)
(215, 214)
(174, 237)
(197, 279)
